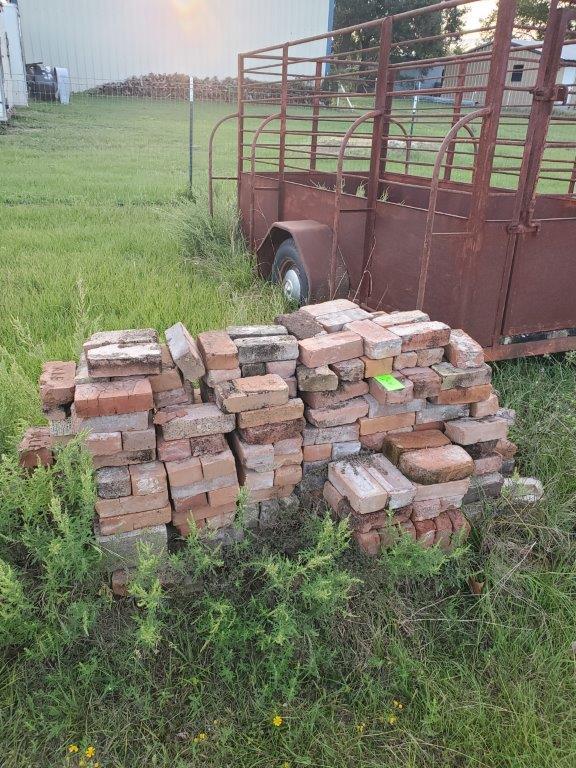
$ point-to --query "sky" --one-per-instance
(477, 12)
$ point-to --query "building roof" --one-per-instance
(568, 51)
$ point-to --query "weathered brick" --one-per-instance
(374, 441)
(462, 377)
(422, 335)
(180, 396)
(184, 472)
(486, 465)
(488, 407)
(460, 524)
(345, 449)
(328, 307)
(113, 482)
(426, 510)
(425, 532)
(255, 481)
(284, 459)
(289, 445)
(394, 397)
(184, 352)
(324, 350)
(35, 448)
(286, 369)
(130, 505)
(148, 478)
(265, 349)
(407, 528)
(443, 535)
(319, 379)
(506, 448)
(290, 474)
(369, 542)
(119, 360)
(226, 496)
(253, 331)
(266, 494)
(428, 357)
(481, 486)
(345, 391)
(195, 506)
(378, 341)
(197, 421)
(377, 367)
(400, 490)
(123, 458)
(363, 492)
(463, 395)
(436, 465)
(376, 409)
(181, 495)
(215, 377)
(321, 452)
(455, 488)
(259, 458)
(122, 338)
(252, 393)
(386, 423)
(57, 384)
(468, 431)
(389, 319)
(274, 414)
(440, 413)
(139, 441)
(349, 371)
(122, 422)
(346, 412)
(395, 445)
(218, 465)
(335, 321)
(122, 550)
(271, 433)
(426, 382)
(132, 522)
(218, 351)
(169, 379)
(462, 351)
(104, 443)
(339, 434)
(173, 450)
(300, 324)
(405, 360)
(113, 397)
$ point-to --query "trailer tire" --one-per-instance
(289, 271)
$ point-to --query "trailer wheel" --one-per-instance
(289, 271)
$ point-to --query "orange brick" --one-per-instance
(222, 496)
(386, 423)
(184, 472)
(108, 398)
(321, 452)
(218, 465)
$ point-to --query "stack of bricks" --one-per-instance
(267, 442)
(387, 416)
(403, 382)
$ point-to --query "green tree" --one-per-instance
(531, 13)
(445, 24)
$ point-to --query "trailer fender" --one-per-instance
(314, 243)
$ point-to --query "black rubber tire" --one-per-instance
(288, 257)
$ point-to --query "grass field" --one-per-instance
(97, 231)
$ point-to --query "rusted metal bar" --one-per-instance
(210, 161)
(460, 81)
(315, 114)
(255, 138)
(434, 186)
(240, 113)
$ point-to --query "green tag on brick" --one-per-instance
(389, 382)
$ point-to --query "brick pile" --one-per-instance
(390, 418)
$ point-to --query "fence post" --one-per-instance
(191, 136)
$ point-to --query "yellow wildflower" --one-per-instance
(397, 704)
(72, 748)
(361, 727)
(200, 737)
(90, 752)
(277, 721)
(285, 765)
(392, 719)
(82, 763)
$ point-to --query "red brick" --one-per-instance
(184, 352)
(218, 465)
(293, 409)
(390, 319)
(405, 360)
(488, 407)
(291, 474)
(373, 442)
(328, 307)
(455, 488)
(443, 530)
(321, 452)
(425, 381)
(133, 522)
(468, 431)
(425, 335)
(148, 478)
(332, 348)
(396, 397)
(251, 393)
(124, 360)
(190, 504)
(369, 542)
(223, 496)
(460, 524)
(462, 351)
(109, 398)
(141, 440)
(428, 357)
(349, 370)
(104, 443)
(35, 448)
(272, 433)
(506, 448)
(436, 465)
(286, 369)
(463, 395)
(408, 528)
(283, 459)
(363, 492)
(57, 384)
(170, 378)
(486, 465)
(395, 445)
(425, 532)
(346, 412)
(130, 505)
(386, 423)
(218, 350)
(184, 472)
(378, 342)
(377, 367)
(276, 492)
(426, 510)
(173, 450)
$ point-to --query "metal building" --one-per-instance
(110, 40)
(12, 70)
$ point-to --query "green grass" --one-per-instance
(97, 231)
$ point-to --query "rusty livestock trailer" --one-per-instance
(405, 179)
